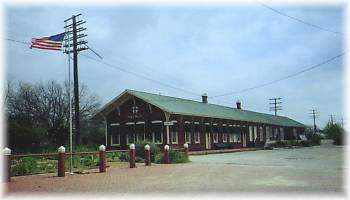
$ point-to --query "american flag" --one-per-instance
(53, 42)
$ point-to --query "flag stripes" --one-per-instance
(49, 43)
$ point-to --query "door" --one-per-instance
(207, 141)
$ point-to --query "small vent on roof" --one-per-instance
(239, 104)
(204, 98)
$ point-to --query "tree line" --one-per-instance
(38, 116)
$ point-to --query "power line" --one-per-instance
(17, 41)
(139, 75)
(126, 71)
(300, 20)
(283, 78)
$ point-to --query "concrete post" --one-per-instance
(61, 158)
(147, 155)
(102, 164)
(132, 156)
(7, 164)
(166, 154)
(186, 149)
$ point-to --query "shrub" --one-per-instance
(90, 161)
(24, 166)
(223, 145)
(113, 156)
(280, 144)
(159, 158)
(140, 149)
(315, 139)
(306, 143)
(336, 132)
(124, 156)
(174, 157)
(293, 143)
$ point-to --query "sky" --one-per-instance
(214, 49)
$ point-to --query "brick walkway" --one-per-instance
(254, 171)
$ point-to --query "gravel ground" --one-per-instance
(302, 170)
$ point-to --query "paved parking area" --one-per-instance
(302, 170)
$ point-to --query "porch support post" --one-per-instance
(167, 117)
(106, 130)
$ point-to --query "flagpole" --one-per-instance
(70, 106)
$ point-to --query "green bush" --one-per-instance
(315, 139)
(174, 157)
(280, 144)
(140, 149)
(159, 158)
(306, 143)
(223, 145)
(335, 132)
(24, 166)
(90, 161)
(293, 143)
(124, 157)
(113, 156)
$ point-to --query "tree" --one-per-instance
(334, 131)
(38, 114)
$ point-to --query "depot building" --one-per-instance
(134, 116)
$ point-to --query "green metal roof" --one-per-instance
(180, 106)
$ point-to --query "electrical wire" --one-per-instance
(300, 20)
(283, 78)
(139, 75)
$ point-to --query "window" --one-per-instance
(224, 134)
(224, 137)
(268, 134)
(187, 132)
(295, 134)
(196, 133)
(207, 128)
(215, 134)
(255, 133)
(130, 133)
(250, 133)
(281, 133)
(231, 135)
(215, 137)
(276, 133)
(115, 135)
(140, 131)
(174, 133)
(157, 133)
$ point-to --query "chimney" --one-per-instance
(239, 104)
(204, 98)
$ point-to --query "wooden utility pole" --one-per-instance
(73, 29)
(332, 121)
(76, 82)
(275, 105)
(313, 113)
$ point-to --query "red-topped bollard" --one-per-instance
(186, 149)
(132, 156)
(60, 164)
(7, 164)
(102, 164)
(147, 155)
(166, 154)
